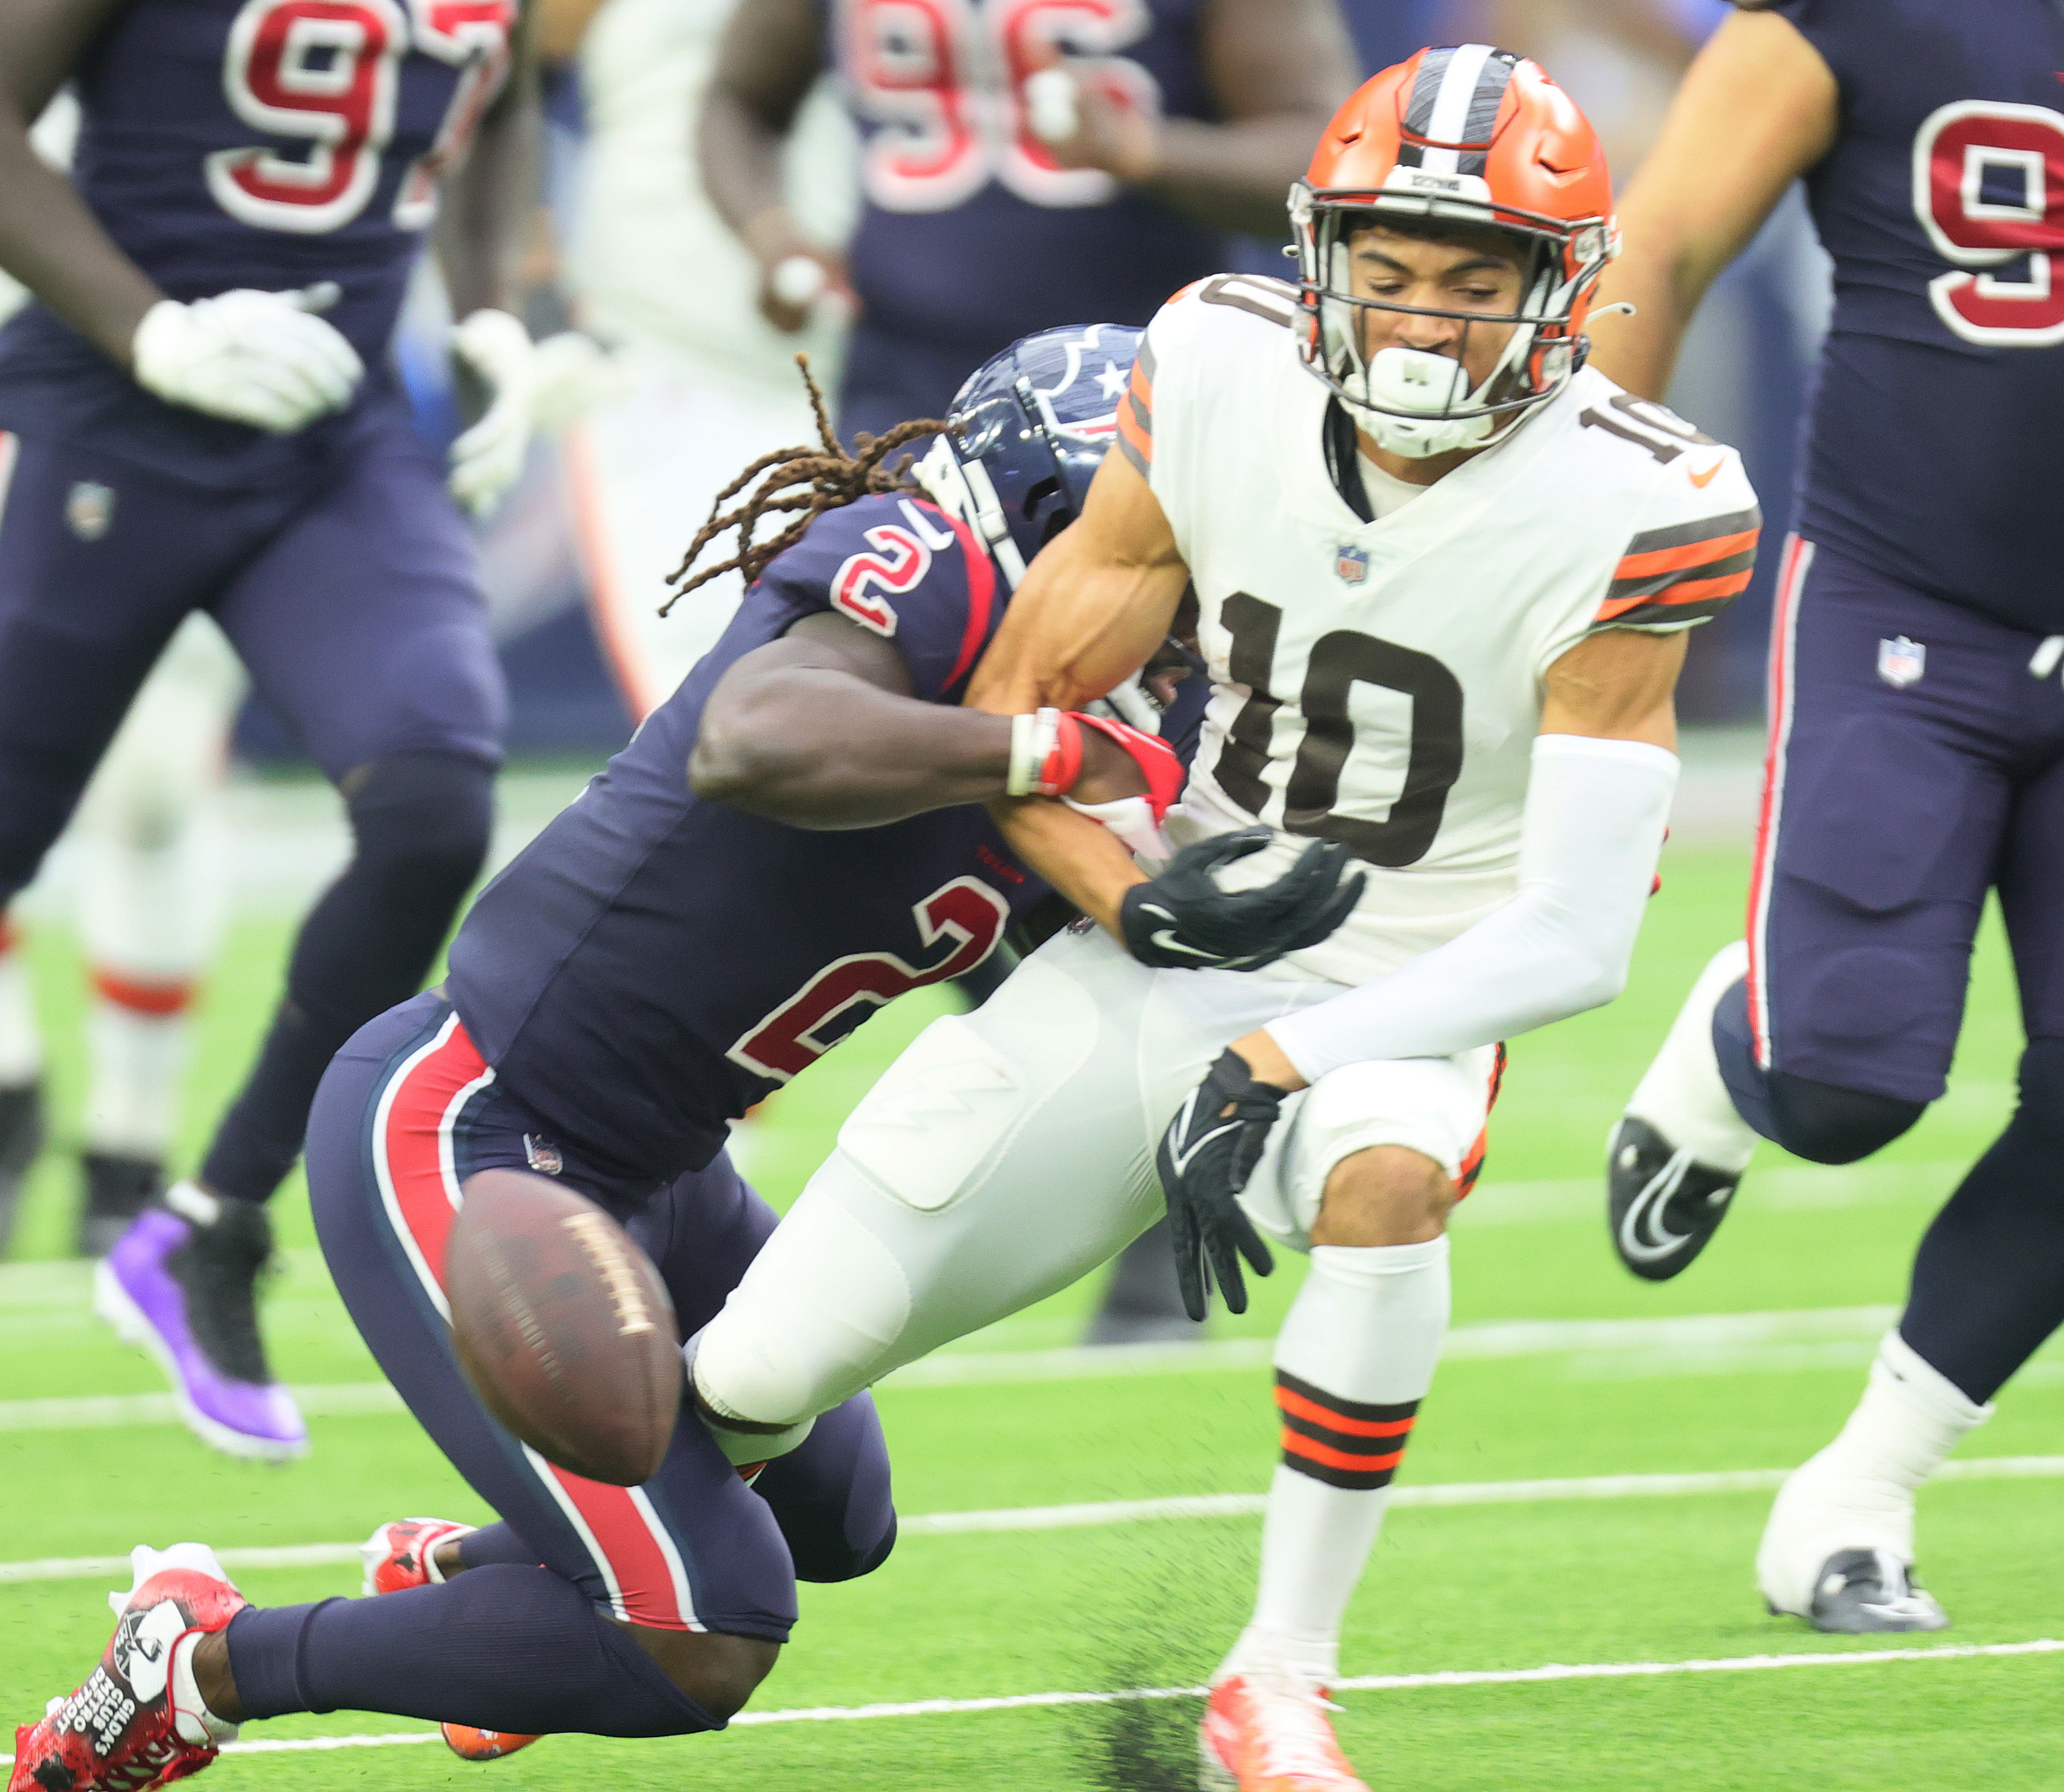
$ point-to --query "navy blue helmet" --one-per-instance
(1036, 422)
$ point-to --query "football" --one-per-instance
(563, 1327)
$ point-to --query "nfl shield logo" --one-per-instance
(1900, 661)
(542, 1155)
(1351, 563)
(89, 509)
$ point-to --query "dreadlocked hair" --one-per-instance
(810, 480)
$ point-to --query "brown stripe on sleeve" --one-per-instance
(1136, 415)
(1684, 574)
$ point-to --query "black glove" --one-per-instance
(1206, 1155)
(1182, 921)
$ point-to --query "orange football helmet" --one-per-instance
(1479, 137)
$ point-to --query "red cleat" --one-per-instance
(469, 1744)
(399, 1554)
(129, 1726)
(1266, 1736)
(402, 1554)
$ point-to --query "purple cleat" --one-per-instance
(181, 1286)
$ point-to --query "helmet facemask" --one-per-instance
(1420, 402)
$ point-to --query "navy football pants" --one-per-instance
(1892, 803)
(352, 595)
(407, 1111)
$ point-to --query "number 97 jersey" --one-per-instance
(271, 143)
(1380, 682)
(1938, 420)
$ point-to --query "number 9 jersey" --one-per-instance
(264, 144)
(1938, 422)
(1378, 679)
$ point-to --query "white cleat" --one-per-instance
(1839, 1553)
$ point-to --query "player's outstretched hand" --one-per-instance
(1184, 920)
(485, 460)
(260, 358)
(1206, 1155)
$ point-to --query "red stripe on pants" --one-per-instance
(415, 1144)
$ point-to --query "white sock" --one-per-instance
(21, 1040)
(137, 1036)
(195, 1723)
(1358, 1349)
(1858, 1492)
(1682, 1095)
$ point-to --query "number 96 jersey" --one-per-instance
(1380, 682)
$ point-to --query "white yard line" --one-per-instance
(1363, 1683)
(1093, 1513)
(1670, 1342)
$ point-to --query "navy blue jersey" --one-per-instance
(267, 143)
(970, 235)
(654, 963)
(1938, 428)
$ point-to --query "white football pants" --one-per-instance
(1009, 1151)
(152, 882)
(645, 469)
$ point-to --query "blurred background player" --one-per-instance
(191, 432)
(706, 383)
(150, 877)
(1916, 720)
(1024, 164)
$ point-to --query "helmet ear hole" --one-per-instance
(1041, 491)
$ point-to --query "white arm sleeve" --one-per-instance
(1593, 830)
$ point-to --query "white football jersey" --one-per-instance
(650, 262)
(1380, 683)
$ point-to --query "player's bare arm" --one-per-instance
(772, 54)
(49, 240)
(1278, 70)
(488, 199)
(562, 24)
(1094, 605)
(820, 730)
(1758, 107)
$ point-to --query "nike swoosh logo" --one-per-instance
(1643, 1235)
(1165, 939)
(1702, 480)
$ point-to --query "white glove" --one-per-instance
(573, 374)
(261, 358)
(485, 460)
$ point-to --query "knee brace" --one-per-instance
(1826, 1124)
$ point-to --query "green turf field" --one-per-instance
(1462, 1583)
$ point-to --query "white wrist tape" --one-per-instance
(1593, 830)
(1032, 739)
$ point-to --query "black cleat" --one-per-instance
(1862, 1592)
(117, 1189)
(20, 1142)
(217, 1270)
(1662, 1206)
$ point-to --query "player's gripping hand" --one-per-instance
(260, 358)
(485, 460)
(1206, 1155)
(1184, 920)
